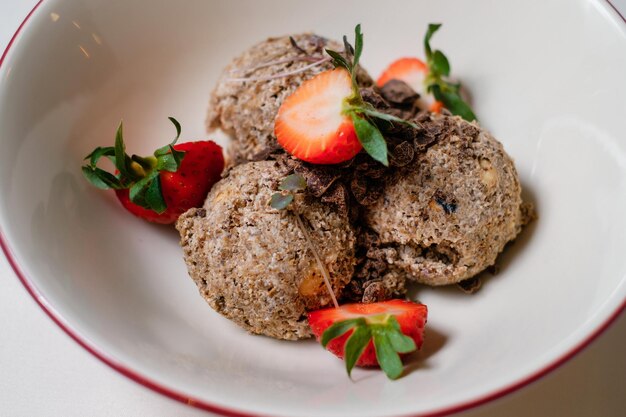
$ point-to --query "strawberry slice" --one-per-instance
(371, 334)
(412, 71)
(310, 123)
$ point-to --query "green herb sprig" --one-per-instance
(289, 185)
(437, 84)
(362, 113)
(384, 330)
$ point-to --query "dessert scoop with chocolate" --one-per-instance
(437, 208)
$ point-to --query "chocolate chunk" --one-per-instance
(402, 154)
(372, 97)
(338, 195)
(399, 93)
(470, 285)
(318, 178)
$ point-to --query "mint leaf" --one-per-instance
(387, 357)
(439, 63)
(293, 182)
(453, 102)
(339, 328)
(355, 345)
(370, 137)
(280, 201)
(432, 28)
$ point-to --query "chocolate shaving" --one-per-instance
(338, 195)
(399, 93)
(402, 155)
(318, 178)
(372, 97)
(296, 46)
(470, 285)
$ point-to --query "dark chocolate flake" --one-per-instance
(402, 154)
(399, 93)
(470, 285)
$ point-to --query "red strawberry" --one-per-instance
(310, 123)
(159, 188)
(371, 334)
(412, 71)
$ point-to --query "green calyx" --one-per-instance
(438, 70)
(384, 330)
(140, 175)
(288, 187)
(363, 114)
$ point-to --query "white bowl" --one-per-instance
(546, 78)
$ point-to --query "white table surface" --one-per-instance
(44, 373)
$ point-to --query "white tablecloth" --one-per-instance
(44, 373)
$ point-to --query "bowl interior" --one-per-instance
(554, 95)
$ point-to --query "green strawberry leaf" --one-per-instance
(339, 61)
(122, 160)
(453, 102)
(98, 153)
(164, 150)
(370, 137)
(339, 328)
(280, 201)
(387, 357)
(355, 345)
(178, 128)
(400, 342)
(358, 45)
(370, 111)
(100, 178)
(432, 28)
(439, 63)
(147, 193)
(348, 49)
(293, 182)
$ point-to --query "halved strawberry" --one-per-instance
(311, 124)
(412, 71)
(371, 334)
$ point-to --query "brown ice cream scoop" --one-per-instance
(252, 263)
(448, 214)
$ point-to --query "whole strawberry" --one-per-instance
(160, 187)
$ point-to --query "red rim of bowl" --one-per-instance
(203, 405)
